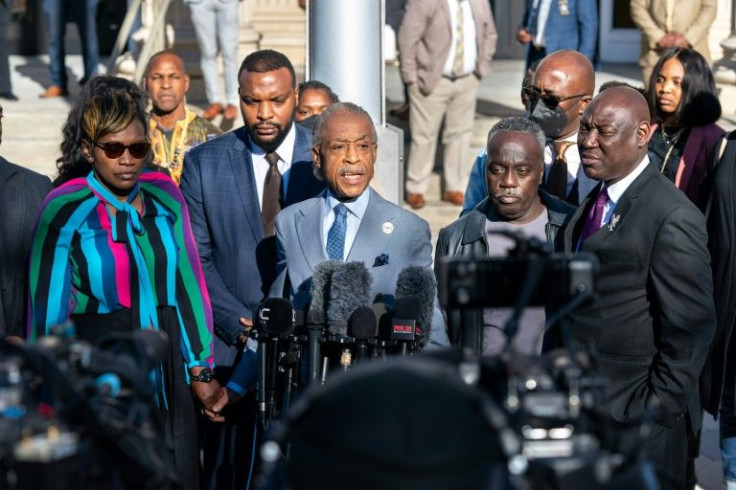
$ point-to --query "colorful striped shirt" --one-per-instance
(78, 267)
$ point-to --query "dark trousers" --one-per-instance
(533, 54)
(667, 449)
(4, 54)
(57, 13)
(228, 448)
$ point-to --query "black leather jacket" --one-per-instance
(466, 237)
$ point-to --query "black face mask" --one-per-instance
(552, 121)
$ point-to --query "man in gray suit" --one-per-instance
(349, 221)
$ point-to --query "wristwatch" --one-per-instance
(205, 376)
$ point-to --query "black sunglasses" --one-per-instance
(138, 150)
(550, 101)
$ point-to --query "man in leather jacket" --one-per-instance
(515, 203)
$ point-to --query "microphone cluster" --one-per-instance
(344, 325)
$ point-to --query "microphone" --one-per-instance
(275, 317)
(350, 289)
(362, 327)
(317, 315)
(404, 324)
(384, 317)
(419, 282)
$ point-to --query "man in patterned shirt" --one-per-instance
(173, 129)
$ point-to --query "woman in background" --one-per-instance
(684, 103)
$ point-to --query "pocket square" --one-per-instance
(381, 260)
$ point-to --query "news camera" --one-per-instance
(76, 415)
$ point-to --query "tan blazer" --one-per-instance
(425, 36)
(692, 18)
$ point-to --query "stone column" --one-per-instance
(725, 68)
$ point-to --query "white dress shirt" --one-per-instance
(356, 210)
(285, 151)
(615, 191)
(574, 168)
(543, 6)
(470, 50)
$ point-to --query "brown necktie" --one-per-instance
(271, 195)
(557, 176)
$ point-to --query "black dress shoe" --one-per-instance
(8, 96)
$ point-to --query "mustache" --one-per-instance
(347, 170)
(267, 123)
(507, 194)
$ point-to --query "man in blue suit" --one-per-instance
(234, 186)
(349, 221)
(552, 25)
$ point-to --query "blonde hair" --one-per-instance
(110, 111)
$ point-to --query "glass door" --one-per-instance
(619, 37)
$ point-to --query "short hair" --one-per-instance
(619, 83)
(340, 107)
(267, 60)
(164, 52)
(317, 85)
(72, 163)
(699, 104)
(110, 112)
(517, 125)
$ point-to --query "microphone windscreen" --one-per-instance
(350, 289)
(419, 282)
(276, 316)
(320, 290)
(362, 324)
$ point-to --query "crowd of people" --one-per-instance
(156, 220)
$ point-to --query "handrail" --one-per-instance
(123, 33)
(156, 40)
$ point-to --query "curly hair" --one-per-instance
(72, 163)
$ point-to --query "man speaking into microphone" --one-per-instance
(349, 221)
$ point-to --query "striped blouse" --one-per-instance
(78, 267)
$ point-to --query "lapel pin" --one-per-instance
(614, 221)
(388, 227)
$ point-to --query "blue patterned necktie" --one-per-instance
(336, 235)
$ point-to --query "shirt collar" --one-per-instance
(356, 207)
(285, 150)
(615, 191)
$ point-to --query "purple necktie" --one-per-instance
(595, 216)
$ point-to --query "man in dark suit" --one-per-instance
(349, 221)
(552, 25)
(234, 186)
(21, 193)
(654, 318)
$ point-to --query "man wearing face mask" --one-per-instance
(562, 87)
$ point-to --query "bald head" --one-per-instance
(567, 77)
(167, 83)
(571, 66)
(614, 134)
(625, 98)
(167, 56)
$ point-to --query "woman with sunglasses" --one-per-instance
(684, 103)
(113, 252)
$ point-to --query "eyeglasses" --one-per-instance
(138, 150)
(550, 101)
